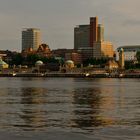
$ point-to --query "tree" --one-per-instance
(17, 59)
(31, 59)
(94, 61)
(138, 56)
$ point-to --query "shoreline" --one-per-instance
(71, 75)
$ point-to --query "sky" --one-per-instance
(57, 18)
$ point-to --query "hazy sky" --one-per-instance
(57, 19)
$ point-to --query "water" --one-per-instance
(69, 108)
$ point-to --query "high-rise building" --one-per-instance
(30, 38)
(103, 49)
(81, 36)
(100, 34)
(86, 35)
(93, 30)
(89, 41)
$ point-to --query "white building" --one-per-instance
(30, 38)
(129, 52)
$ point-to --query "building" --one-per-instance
(129, 52)
(86, 35)
(31, 38)
(84, 38)
(121, 58)
(86, 53)
(103, 49)
(93, 30)
(44, 50)
(111, 65)
(75, 57)
(3, 53)
(61, 52)
(3, 65)
(81, 36)
(100, 33)
(89, 41)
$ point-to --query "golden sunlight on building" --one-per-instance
(103, 49)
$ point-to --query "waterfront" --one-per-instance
(69, 108)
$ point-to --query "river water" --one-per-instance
(69, 109)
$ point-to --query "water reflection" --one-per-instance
(81, 104)
(32, 113)
(88, 103)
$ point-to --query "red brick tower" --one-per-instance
(93, 30)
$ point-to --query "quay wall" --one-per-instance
(75, 75)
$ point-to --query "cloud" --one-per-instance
(57, 19)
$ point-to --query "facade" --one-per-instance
(103, 49)
(31, 38)
(121, 58)
(93, 30)
(86, 35)
(81, 36)
(129, 52)
(89, 41)
(100, 33)
(75, 57)
(61, 52)
(86, 53)
(44, 50)
(111, 65)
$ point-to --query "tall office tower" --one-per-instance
(100, 37)
(93, 30)
(30, 38)
(81, 36)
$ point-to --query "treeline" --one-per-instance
(94, 61)
(29, 60)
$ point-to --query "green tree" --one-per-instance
(94, 61)
(31, 59)
(16, 59)
(138, 56)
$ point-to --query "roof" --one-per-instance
(39, 62)
(2, 62)
(69, 62)
(134, 47)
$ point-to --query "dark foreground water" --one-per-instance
(69, 109)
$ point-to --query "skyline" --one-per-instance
(57, 19)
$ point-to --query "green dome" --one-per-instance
(69, 62)
(39, 63)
